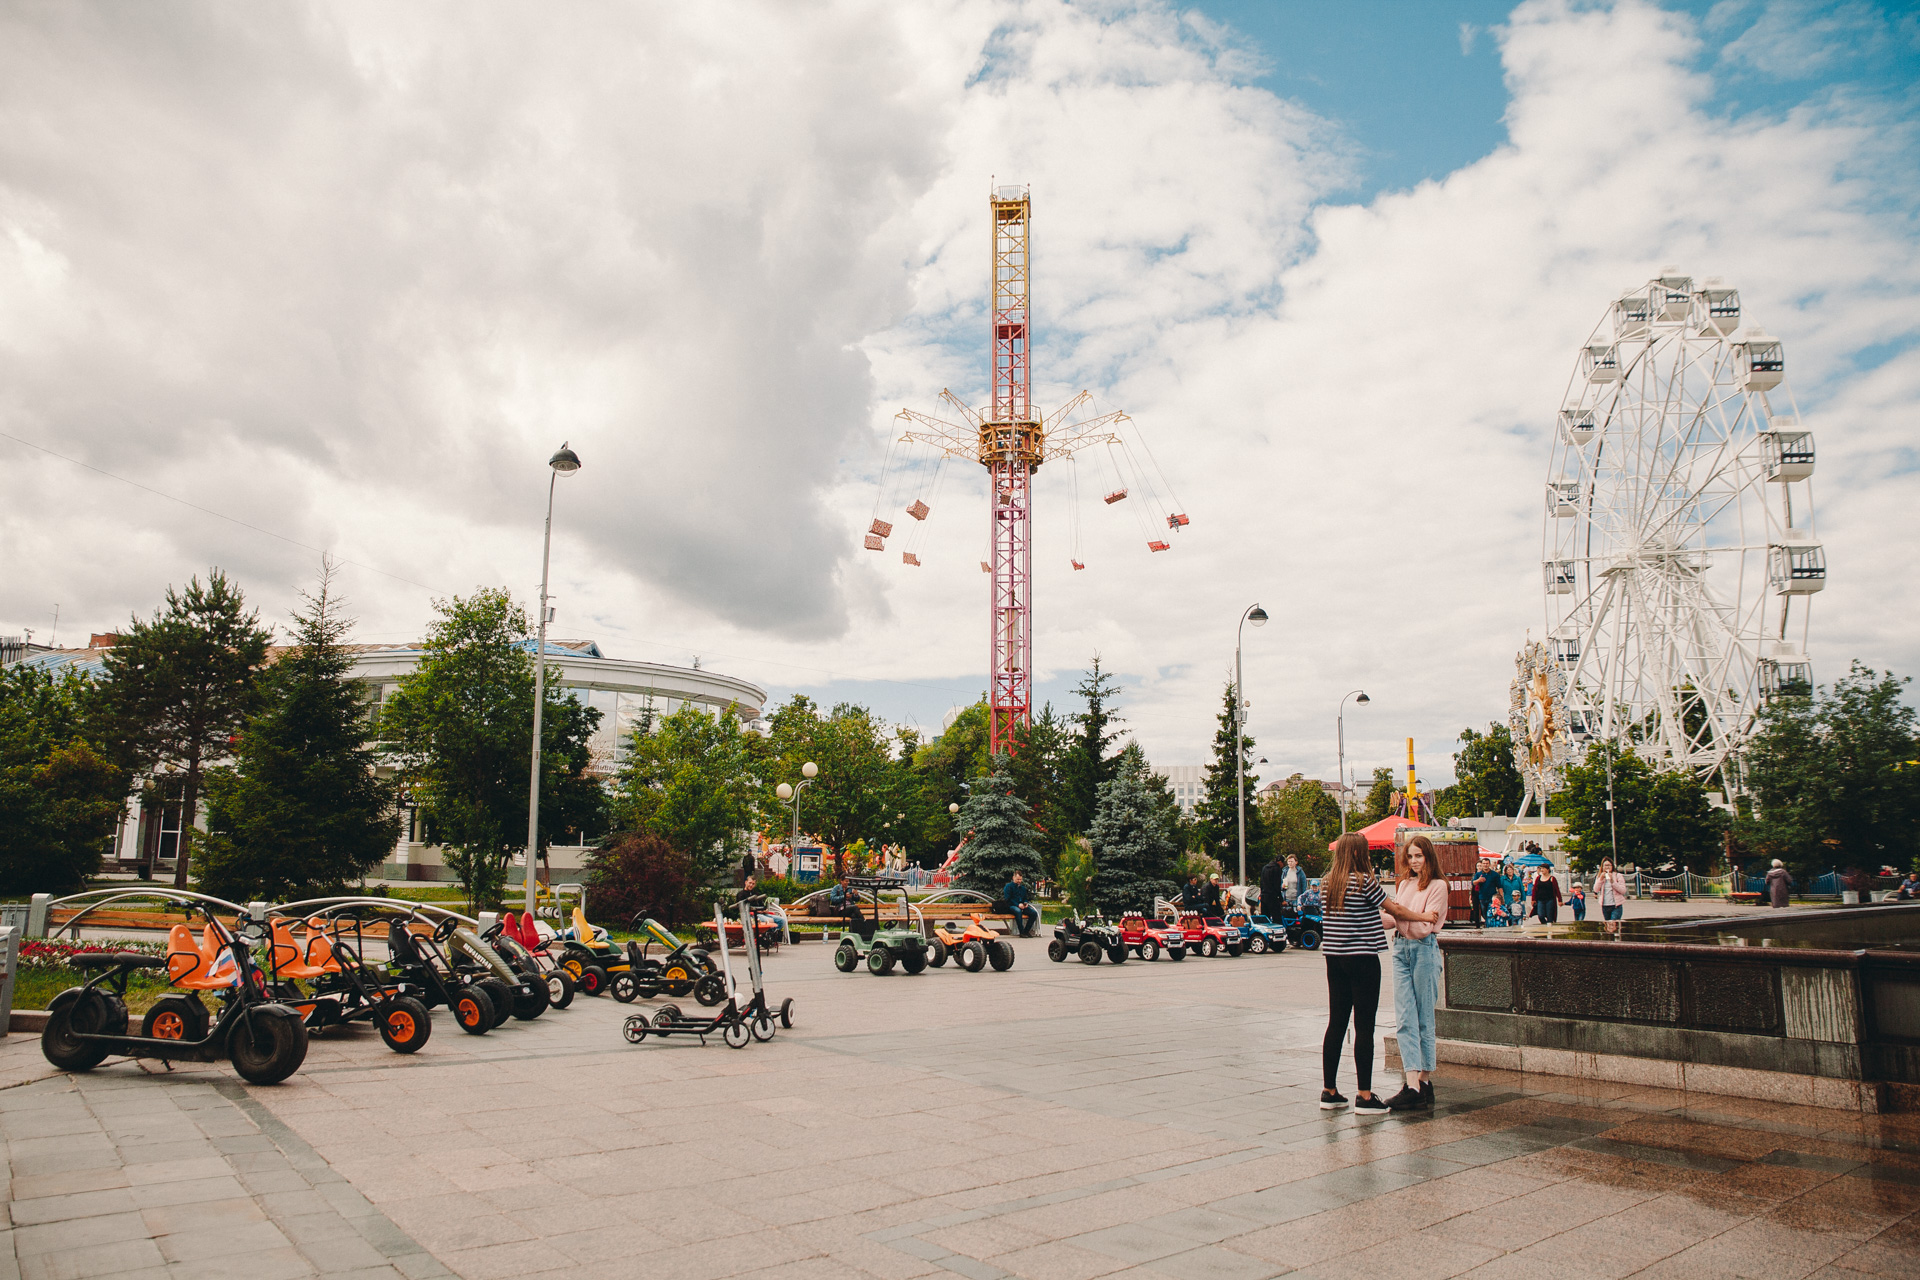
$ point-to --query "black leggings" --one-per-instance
(1353, 988)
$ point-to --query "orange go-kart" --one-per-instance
(324, 976)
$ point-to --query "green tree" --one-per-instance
(1833, 777)
(1075, 876)
(1133, 842)
(999, 834)
(1087, 763)
(179, 686)
(1041, 752)
(854, 750)
(460, 726)
(1378, 800)
(1217, 816)
(1301, 819)
(690, 778)
(1663, 816)
(1486, 780)
(60, 794)
(302, 810)
(943, 770)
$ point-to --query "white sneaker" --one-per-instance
(1370, 1106)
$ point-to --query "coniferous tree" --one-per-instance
(1086, 764)
(1133, 843)
(1038, 769)
(1217, 816)
(302, 810)
(60, 794)
(999, 834)
(180, 685)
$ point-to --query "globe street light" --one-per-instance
(563, 463)
(1340, 727)
(808, 772)
(1258, 617)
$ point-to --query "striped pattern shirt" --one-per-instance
(1355, 930)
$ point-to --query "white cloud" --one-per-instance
(352, 275)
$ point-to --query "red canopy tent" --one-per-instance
(1380, 834)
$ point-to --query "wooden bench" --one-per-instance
(1668, 895)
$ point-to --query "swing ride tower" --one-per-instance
(1011, 440)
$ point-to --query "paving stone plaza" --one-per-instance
(1055, 1122)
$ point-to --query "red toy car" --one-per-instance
(1210, 936)
(1148, 938)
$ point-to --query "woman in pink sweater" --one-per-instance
(1421, 890)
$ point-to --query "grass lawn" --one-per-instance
(35, 985)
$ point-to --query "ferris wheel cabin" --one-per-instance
(1602, 362)
(1576, 426)
(1559, 576)
(1674, 293)
(1563, 498)
(1786, 451)
(1566, 648)
(1722, 304)
(1760, 362)
(1785, 670)
(1632, 314)
(1796, 563)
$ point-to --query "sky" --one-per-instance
(284, 279)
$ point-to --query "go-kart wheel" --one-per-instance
(1089, 953)
(175, 1018)
(267, 1045)
(530, 999)
(502, 995)
(1233, 948)
(573, 966)
(762, 1027)
(473, 1010)
(937, 954)
(913, 960)
(879, 961)
(623, 987)
(634, 1028)
(1000, 955)
(1257, 944)
(405, 1024)
(1176, 953)
(1149, 951)
(677, 980)
(88, 1013)
(710, 990)
(667, 1015)
(559, 988)
(1210, 947)
(973, 956)
(1118, 955)
(845, 958)
(1310, 939)
(786, 1012)
(593, 980)
(736, 1035)
(1056, 951)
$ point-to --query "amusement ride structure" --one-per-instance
(1680, 554)
(1011, 440)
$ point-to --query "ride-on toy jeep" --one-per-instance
(974, 946)
(1089, 939)
(1265, 937)
(1209, 936)
(1148, 938)
(881, 943)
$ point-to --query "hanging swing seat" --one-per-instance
(1076, 564)
(1177, 521)
(907, 557)
(881, 528)
(1114, 497)
(1159, 546)
(919, 510)
(876, 543)
(985, 567)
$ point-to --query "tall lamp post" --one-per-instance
(808, 772)
(1258, 617)
(563, 463)
(1340, 728)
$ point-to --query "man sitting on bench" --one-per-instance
(1019, 902)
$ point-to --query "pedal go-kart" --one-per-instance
(868, 938)
(326, 978)
(1147, 937)
(1089, 939)
(737, 1021)
(973, 947)
(1265, 937)
(518, 941)
(682, 968)
(479, 1002)
(264, 1039)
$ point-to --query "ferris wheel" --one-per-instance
(1680, 554)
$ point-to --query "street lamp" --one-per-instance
(1346, 796)
(808, 772)
(1258, 617)
(563, 463)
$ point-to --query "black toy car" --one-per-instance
(1087, 939)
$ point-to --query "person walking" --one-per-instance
(1483, 886)
(1419, 888)
(1779, 881)
(1610, 891)
(1352, 939)
(1577, 899)
(1546, 897)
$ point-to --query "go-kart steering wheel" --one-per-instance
(444, 930)
(493, 930)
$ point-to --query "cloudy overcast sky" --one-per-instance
(343, 275)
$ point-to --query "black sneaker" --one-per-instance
(1426, 1094)
(1331, 1101)
(1408, 1099)
(1369, 1106)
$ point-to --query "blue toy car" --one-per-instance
(1266, 936)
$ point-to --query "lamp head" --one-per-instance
(1258, 617)
(809, 770)
(1362, 698)
(566, 462)
(784, 791)
(953, 808)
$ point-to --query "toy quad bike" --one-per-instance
(327, 980)
(1264, 936)
(880, 944)
(1089, 939)
(973, 947)
(738, 1021)
(265, 1040)
(1147, 937)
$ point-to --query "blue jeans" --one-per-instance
(1612, 913)
(1025, 919)
(1416, 992)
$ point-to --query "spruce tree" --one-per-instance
(1133, 841)
(1218, 813)
(302, 811)
(1086, 764)
(999, 834)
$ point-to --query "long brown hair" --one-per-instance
(1401, 861)
(1350, 859)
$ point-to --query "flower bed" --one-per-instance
(45, 972)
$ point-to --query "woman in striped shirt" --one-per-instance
(1352, 939)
